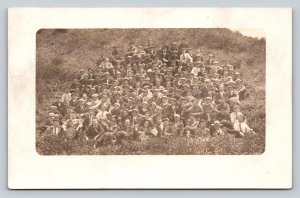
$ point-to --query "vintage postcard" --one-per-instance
(180, 97)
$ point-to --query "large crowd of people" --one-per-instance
(151, 92)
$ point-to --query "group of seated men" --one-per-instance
(148, 92)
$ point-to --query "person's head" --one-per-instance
(182, 104)
(238, 82)
(222, 111)
(91, 111)
(146, 88)
(51, 116)
(221, 87)
(173, 101)
(104, 98)
(125, 113)
(164, 99)
(166, 121)
(94, 122)
(72, 116)
(146, 123)
(90, 70)
(222, 100)
(195, 102)
(202, 123)
(208, 100)
(73, 96)
(103, 107)
(176, 117)
(208, 109)
(241, 118)
(217, 125)
(236, 108)
(134, 112)
(192, 118)
(84, 96)
(58, 98)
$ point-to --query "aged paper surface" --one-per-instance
(27, 169)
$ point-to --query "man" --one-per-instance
(235, 114)
(184, 44)
(73, 123)
(208, 115)
(88, 118)
(223, 105)
(132, 50)
(79, 107)
(196, 69)
(102, 114)
(73, 100)
(198, 56)
(220, 94)
(217, 129)
(191, 127)
(156, 97)
(93, 131)
(55, 129)
(210, 60)
(185, 57)
(177, 127)
(61, 107)
(167, 110)
(195, 110)
(223, 117)
(106, 66)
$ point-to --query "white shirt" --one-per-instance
(234, 117)
(66, 97)
(186, 57)
(101, 115)
(242, 127)
(195, 71)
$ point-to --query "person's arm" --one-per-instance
(64, 126)
(232, 118)
(79, 124)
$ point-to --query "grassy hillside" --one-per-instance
(62, 53)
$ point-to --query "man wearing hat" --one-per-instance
(156, 97)
(177, 126)
(217, 129)
(132, 50)
(166, 131)
(106, 66)
(220, 94)
(202, 130)
(73, 100)
(210, 60)
(208, 114)
(88, 118)
(93, 130)
(61, 107)
(55, 129)
(79, 107)
(191, 126)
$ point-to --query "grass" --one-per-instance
(62, 53)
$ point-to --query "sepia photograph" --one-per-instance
(150, 91)
(115, 98)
